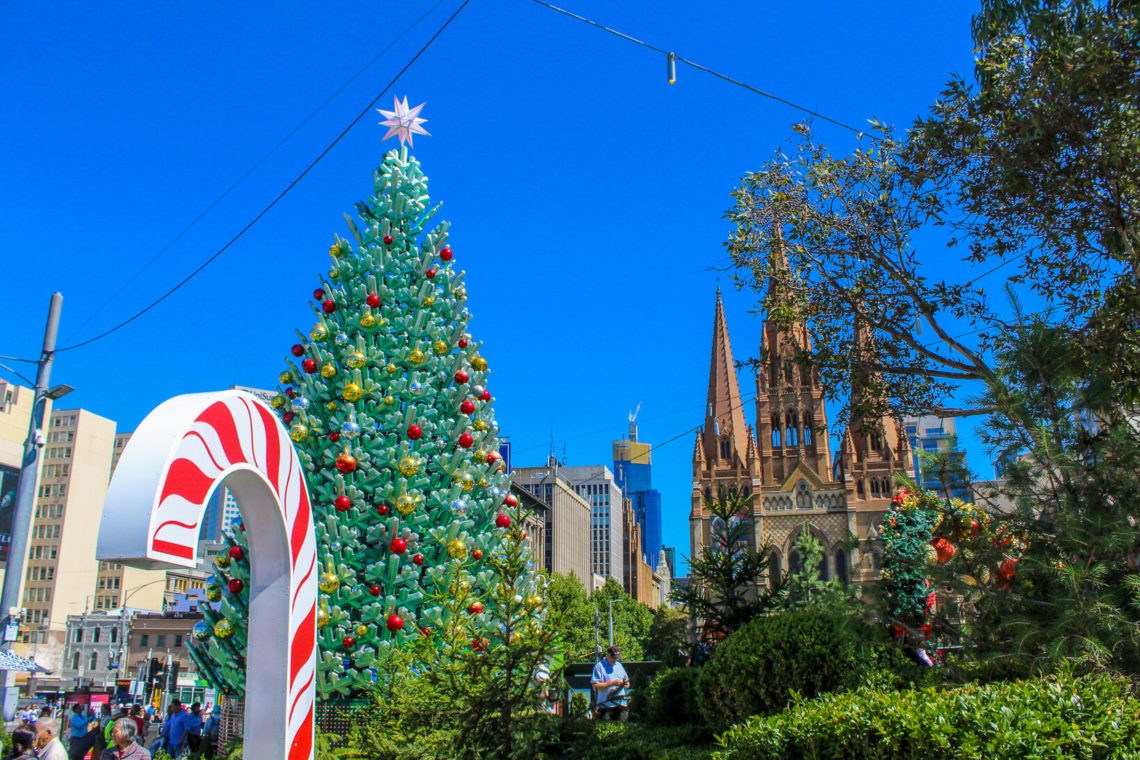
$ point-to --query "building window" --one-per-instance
(859, 488)
(841, 569)
(75, 661)
(78, 635)
(144, 640)
(724, 449)
(791, 421)
(773, 569)
(177, 641)
(803, 495)
(94, 660)
(161, 640)
(95, 635)
(807, 431)
(776, 432)
(114, 635)
(876, 442)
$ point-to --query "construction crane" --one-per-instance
(633, 423)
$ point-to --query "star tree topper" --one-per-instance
(403, 121)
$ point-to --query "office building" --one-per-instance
(95, 648)
(567, 521)
(633, 475)
(939, 464)
(595, 484)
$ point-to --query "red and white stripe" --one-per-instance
(241, 432)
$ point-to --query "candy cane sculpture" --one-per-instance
(180, 453)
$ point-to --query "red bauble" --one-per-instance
(474, 608)
(486, 396)
(297, 350)
(374, 590)
(349, 642)
(477, 554)
(237, 553)
(510, 500)
(287, 417)
(503, 521)
(373, 300)
(290, 392)
(466, 441)
(334, 436)
(235, 586)
(463, 342)
(492, 456)
(467, 407)
(395, 623)
(319, 294)
(445, 253)
(343, 504)
(429, 273)
(387, 240)
(945, 550)
(346, 463)
(479, 643)
(398, 546)
(328, 307)
(461, 377)
(1007, 569)
(382, 510)
(418, 559)
(415, 432)
(309, 365)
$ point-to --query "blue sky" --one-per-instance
(585, 193)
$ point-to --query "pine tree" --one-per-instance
(388, 407)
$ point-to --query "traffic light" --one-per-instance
(153, 670)
(172, 679)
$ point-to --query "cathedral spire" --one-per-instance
(778, 262)
(724, 412)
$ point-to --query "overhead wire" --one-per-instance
(276, 200)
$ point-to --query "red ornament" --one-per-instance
(287, 417)
(463, 342)
(290, 392)
(418, 559)
(415, 432)
(479, 643)
(343, 504)
(486, 396)
(387, 240)
(467, 407)
(503, 521)
(398, 546)
(466, 441)
(474, 608)
(477, 554)
(235, 585)
(328, 307)
(945, 550)
(492, 456)
(374, 590)
(429, 273)
(461, 377)
(309, 365)
(926, 630)
(319, 294)
(346, 463)
(395, 623)
(237, 554)
(334, 436)
(297, 350)
(1007, 569)
(349, 642)
(382, 510)
(445, 253)
(510, 500)
(373, 300)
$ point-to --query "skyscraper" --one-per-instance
(633, 475)
(934, 435)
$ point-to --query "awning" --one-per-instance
(18, 664)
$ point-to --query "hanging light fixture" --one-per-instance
(672, 61)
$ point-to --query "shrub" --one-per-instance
(629, 741)
(809, 651)
(1091, 717)
(671, 698)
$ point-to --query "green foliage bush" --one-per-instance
(671, 698)
(629, 741)
(809, 651)
(1091, 717)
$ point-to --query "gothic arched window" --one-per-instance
(841, 569)
(724, 448)
(791, 422)
(789, 372)
(773, 569)
(874, 488)
(876, 442)
(803, 495)
(859, 488)
(776, 432)
(807, 431)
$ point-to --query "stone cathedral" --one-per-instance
(783, 462)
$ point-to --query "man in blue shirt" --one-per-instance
(611, 683)
(79, 744)
(176, 729)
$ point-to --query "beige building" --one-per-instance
(567, 521)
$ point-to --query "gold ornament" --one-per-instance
(334, 273)
(456, 549)
(482, 482)
(318, 333)
(352, 392)
(329, 583)
(406, 503)
(328, 371)
(367, 321)
(409, 466)
(479, 364)
(416, 357)
(361, 629)
(278, 402)
(466, 482)
(534, 602)
(480, 425)
(356, 360)
(286, 377)
(428, 301)
(391, 369)
(299, 432)
(222, 561)
(223, 629)
(334, 250)
(322, 617)
(389, 401)
(214, 593)
(331, 406)
(461, 293)
(439, 347)
(479, 455)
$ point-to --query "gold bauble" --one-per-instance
(409, 466)
(356, 360)
(482, 482)
(405, 504)
(214, 593)
(466, 482)
(222, 561)
(286, 377)
(534, 602)
(367, 321)
(361, 629)
(389, 401)
(331, 406)
(299, 432)
(352, 392)
(456, 549)
(322, 617)
(328, 371)
(439, 347)
(318, 333)
(278, 402)
(416, 356)
(428, 301)
(480, 425)
(223, 629)
(478, 364)
(479, 455)
(391, 369)
(516, 638)
(329, 583)
(461, 293)
(334, 273)
(334, 250)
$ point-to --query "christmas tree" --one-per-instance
(386, 402)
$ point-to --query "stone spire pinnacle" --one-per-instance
(724, 412)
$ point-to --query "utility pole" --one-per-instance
(25, 497)
(612, 619)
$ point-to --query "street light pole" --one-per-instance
(25, 497)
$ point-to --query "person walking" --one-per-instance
(211, 732)
(175, 729)
(48, 745)
(99, 737)
(194, 730)
(123, 742)
(79, 742)
(611, 683)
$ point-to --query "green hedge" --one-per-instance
(756, 670)
(1090, 718)
(671, 698)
